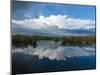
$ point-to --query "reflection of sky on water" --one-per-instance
(49, 56)
(53, 51)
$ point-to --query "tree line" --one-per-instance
(25, 40)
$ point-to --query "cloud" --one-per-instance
(54, 52)
(60, 21)
(28, 24)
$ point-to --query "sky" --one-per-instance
(50, 17)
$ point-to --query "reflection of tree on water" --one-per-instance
(34, 43)
(63, 43)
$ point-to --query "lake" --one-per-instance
(50, 56)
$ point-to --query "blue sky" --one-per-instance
(21, 9)
(50, 18)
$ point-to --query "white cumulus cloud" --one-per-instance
(59, 21)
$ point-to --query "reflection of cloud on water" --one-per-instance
(57, 52)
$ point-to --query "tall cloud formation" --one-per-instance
(58, 21)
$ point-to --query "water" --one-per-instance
(49, 56)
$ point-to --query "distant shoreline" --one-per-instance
(25, 40)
